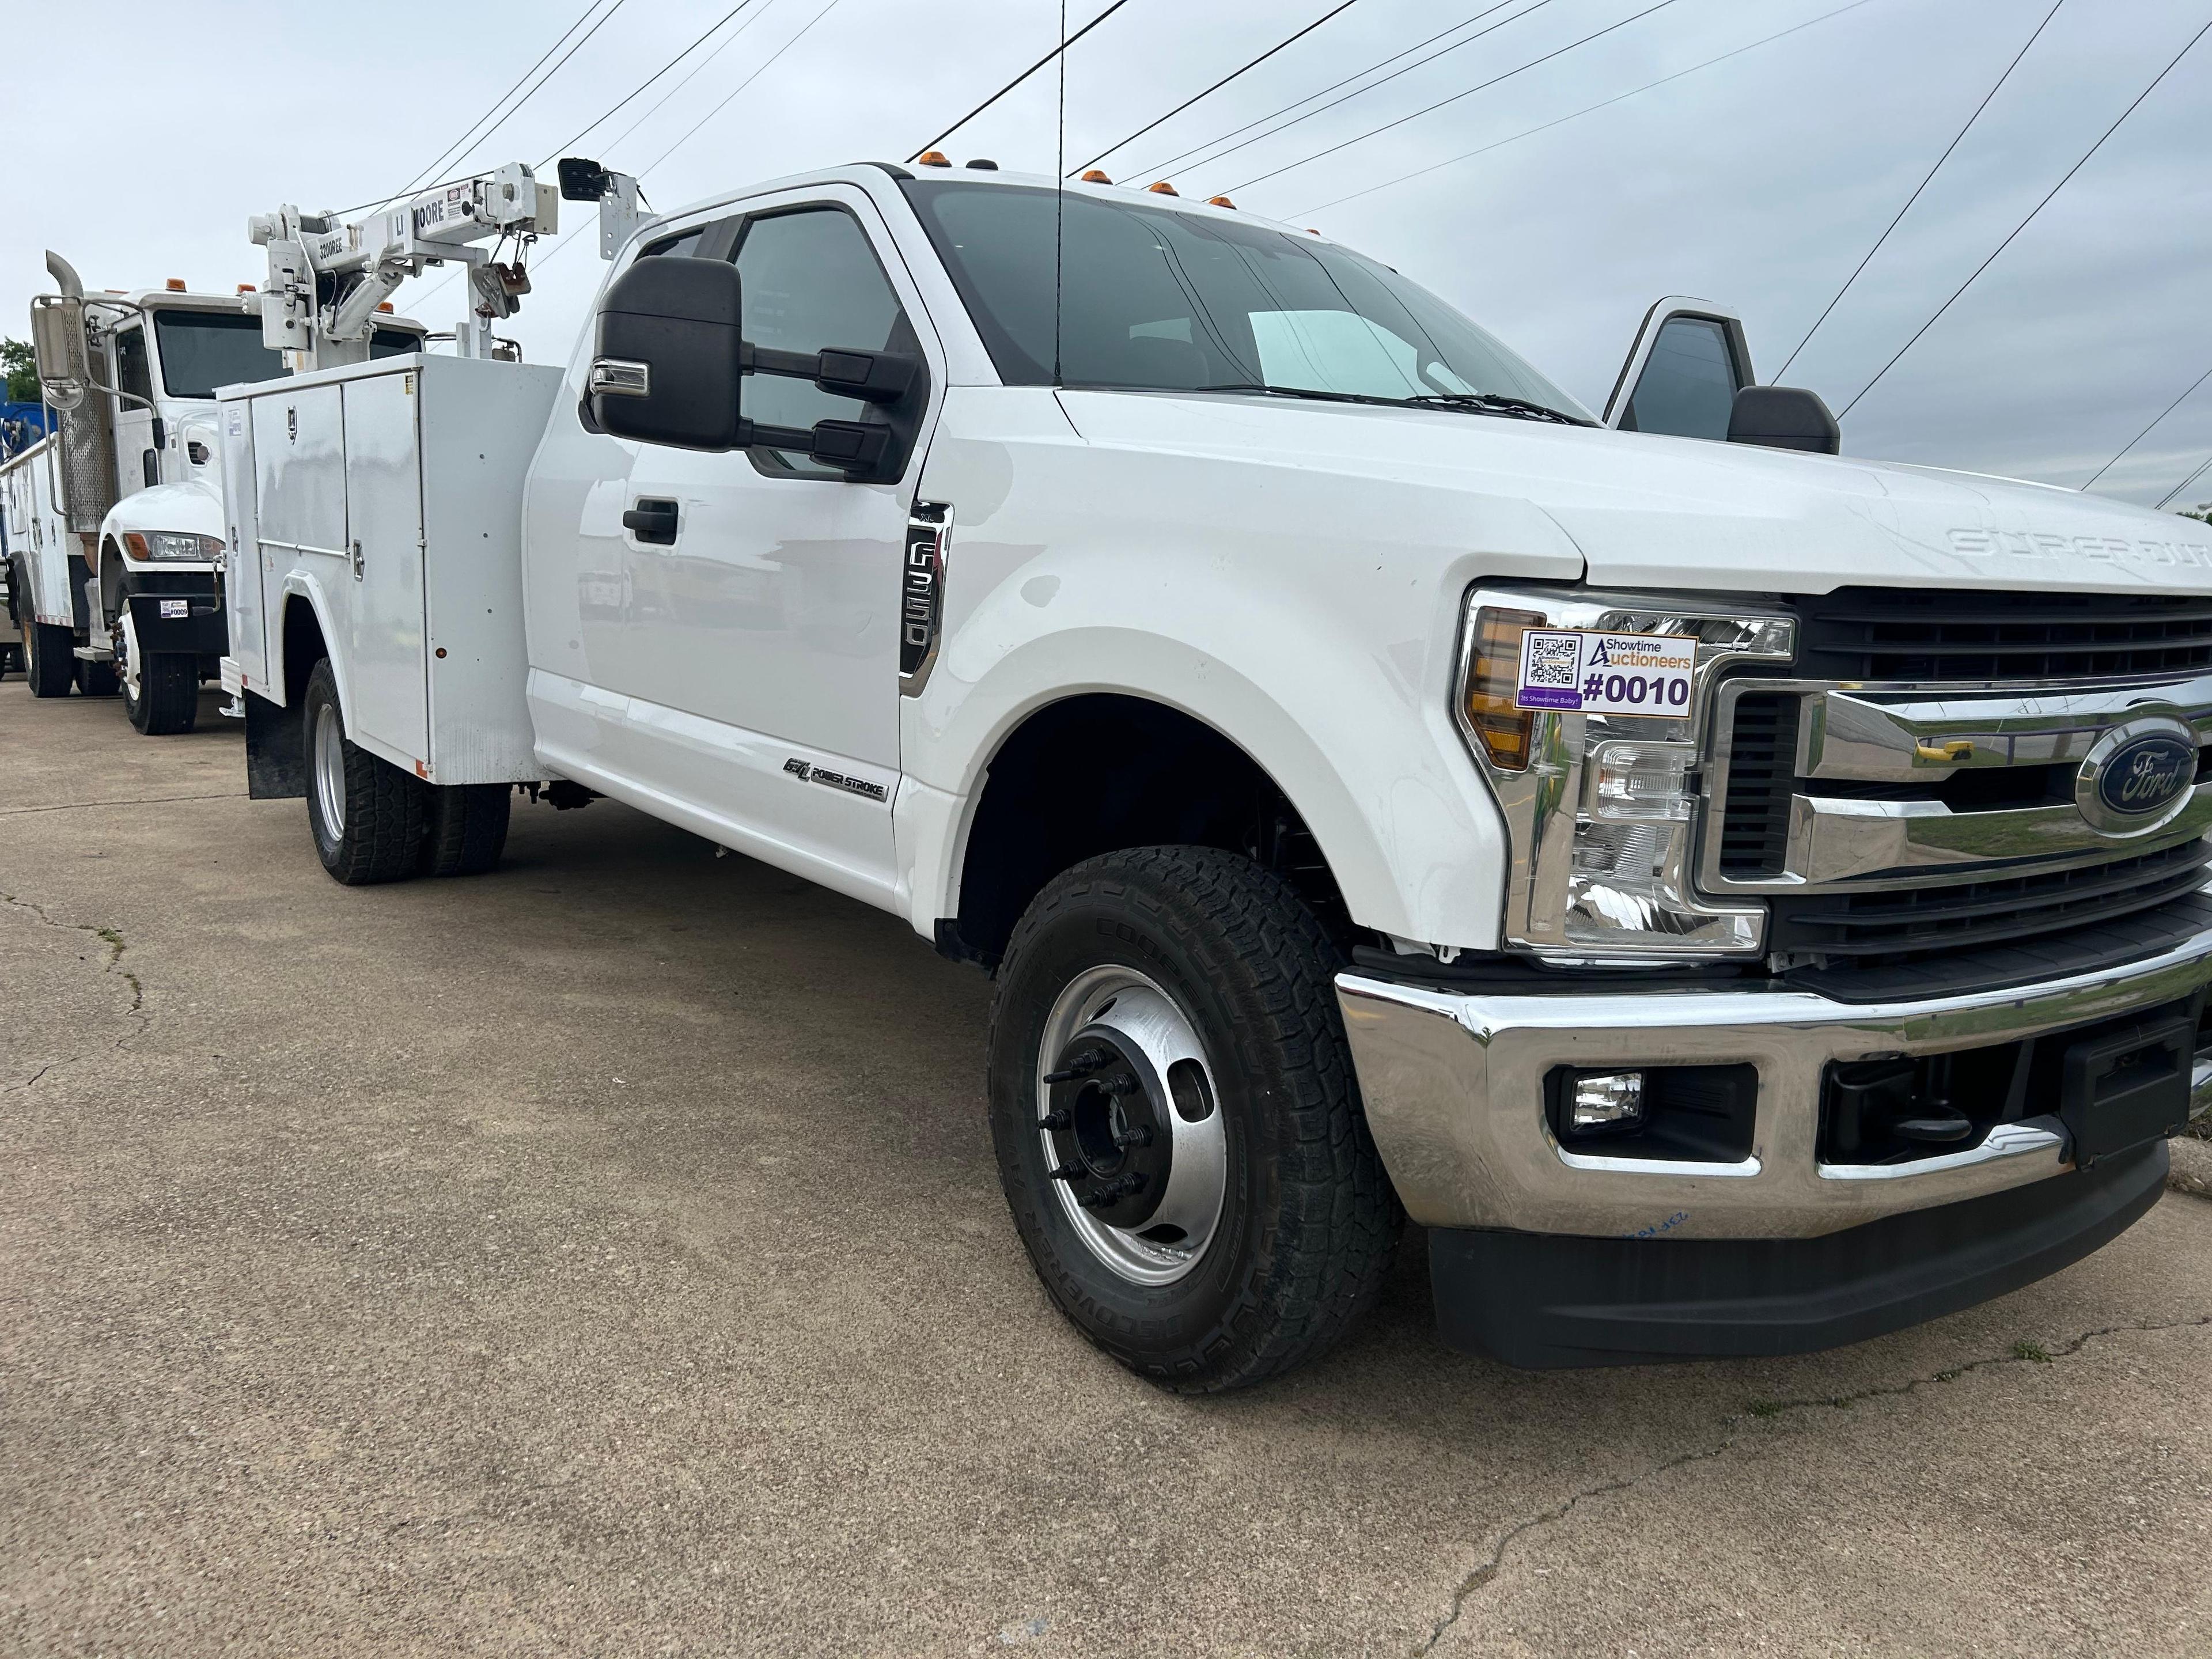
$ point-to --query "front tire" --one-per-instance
(366, 814)
(161, 693)
(1177, 1125)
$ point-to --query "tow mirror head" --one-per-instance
(671, 358)
(1784, 418)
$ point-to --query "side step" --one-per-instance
(94, 653)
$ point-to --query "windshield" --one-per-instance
(203, 349)
(1164, 300)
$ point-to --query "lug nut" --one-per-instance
(1082, 1065)
(1054, 1120)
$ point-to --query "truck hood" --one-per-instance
(1655, 511)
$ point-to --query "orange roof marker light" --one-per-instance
(245, 287)
(175, 285)
(1162, 188)
(384, 306)
(1095, 177)
(1310, 231)
(932, 158)
(1221, 201)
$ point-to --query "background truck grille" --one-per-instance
(1888, 927)
(1872, 633)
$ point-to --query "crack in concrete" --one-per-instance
(2021, 1354)
(116, 946)
(144, 800)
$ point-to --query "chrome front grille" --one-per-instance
(1904, 819)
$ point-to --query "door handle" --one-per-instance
(652, 521)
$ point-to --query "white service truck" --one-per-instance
(1736, 898)
(112, 528)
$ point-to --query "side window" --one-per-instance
(1688, 384)
(812, 281)
(134, 372)
(678, 247)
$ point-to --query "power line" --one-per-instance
(2024, 223)
(1172, 161)
(1587, 109)
(2185, 484)
(2146, 432)
(1956, 139)
(766, 65)
(570, 143)
(1019, 79)
(1469, 93)
(736, 34)
(1278, 45)
(467, 131)
(465, 145)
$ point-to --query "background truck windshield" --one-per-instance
(1165, 301)
(203, 349)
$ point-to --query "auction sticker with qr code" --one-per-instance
(1606, 673)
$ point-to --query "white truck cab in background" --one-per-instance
(1736, 898)
(114, 527)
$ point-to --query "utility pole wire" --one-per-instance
(2184, 484)
(2024, 223)
(2146, 432)
(1587, 109)
(1173, 161)
(767, 64)
(1470, 91)
(1956, 139)
(1278, 45)
(1055, 52)
(569, 143)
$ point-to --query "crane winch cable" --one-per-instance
(1287, 40)
(1056, 52)
(2147, 431)
(1479, 85)
(1956, 139)
(1587, 109)
(1173, 161)
(2026, 223)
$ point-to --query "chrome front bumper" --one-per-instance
(1454, 1083)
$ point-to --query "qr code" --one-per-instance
(1552, 660)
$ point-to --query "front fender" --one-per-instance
(193, 509)
(1311, 620)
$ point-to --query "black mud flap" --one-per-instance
(275, 762)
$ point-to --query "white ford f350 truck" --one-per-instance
(113, 526)
(1735, 898)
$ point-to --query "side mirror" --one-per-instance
(1784, 418)
(59, 348)
(670, 358)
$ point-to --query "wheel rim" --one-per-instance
(330, 770)
(128, 654)
(1131, 1125)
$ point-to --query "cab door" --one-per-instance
(137, 456)
(754, 601)
(1688, 361)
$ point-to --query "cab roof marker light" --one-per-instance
(932, 158)
(1162, 188)
(1095, 177)
(1221, 202)
(175, 285)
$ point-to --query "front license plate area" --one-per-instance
(2127, 1087)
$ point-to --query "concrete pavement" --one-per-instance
(605, 1256)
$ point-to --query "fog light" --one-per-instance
(1606, 1101)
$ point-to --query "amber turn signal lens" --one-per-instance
(1492, 676)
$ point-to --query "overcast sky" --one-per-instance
(1758, 182)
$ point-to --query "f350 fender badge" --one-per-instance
(807, 772)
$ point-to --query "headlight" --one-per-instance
(1590, 735)
(173, 547)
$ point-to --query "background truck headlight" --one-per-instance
(1602, 809)
(171, 547)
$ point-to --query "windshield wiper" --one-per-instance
(1305, 391)
(1496, 403)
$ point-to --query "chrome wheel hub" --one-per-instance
(1131, 1125)
(330, 770)
(126, 654)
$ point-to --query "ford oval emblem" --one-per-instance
(2143, 776)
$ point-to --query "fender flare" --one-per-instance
(305, 587)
